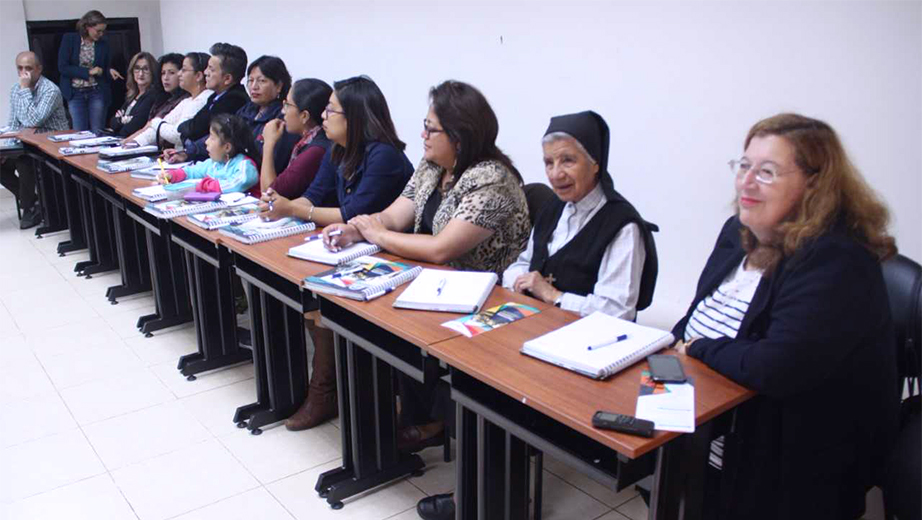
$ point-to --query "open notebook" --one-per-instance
(568, 346)
(447, 291)
(315, 251)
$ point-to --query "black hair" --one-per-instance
(90, 19)
(312, 95)
(367, 119)
(273, 68)
(470, 124)
(199, 60)
(234, 130)
(173, 57)
(233, 59)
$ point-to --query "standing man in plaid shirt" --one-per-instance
(35, 102)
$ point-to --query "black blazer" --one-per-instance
(140, 112)
(229, 103)
(69, 66)
(817, 345)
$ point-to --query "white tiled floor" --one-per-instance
(98, 424)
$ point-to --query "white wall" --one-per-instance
(679, 83)
(12, 41)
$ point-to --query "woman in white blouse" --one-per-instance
(192, 80)
(590, 250)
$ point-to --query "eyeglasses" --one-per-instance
(142, 70)
(330, 110)
(428, 130)
(286, 104)
(764, 173)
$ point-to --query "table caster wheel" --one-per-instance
(336, 506)
(191, 377)
(242, 424)
(113, 302)
(148, 334)
(59, 254)
(40, 237)
(324, 493)
(256, 431)
(89, 276)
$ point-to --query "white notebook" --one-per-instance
(447, 291)
(568, 346)
(150, 193)
(315, 251)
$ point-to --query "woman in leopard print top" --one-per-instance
(464, 205)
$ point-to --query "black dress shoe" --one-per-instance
(30, 218)
(437, 507)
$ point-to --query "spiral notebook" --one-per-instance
(126, 165)
(447, 291)
(568, 346)
(225, 216)
(315, 251)
(93, 142)
(60, 138)
(363, 279)
(258, 230)
(181, 207)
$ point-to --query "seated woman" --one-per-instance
(363, 172)
(792, 304)
(192, 80)
(301, 110)
(232, 156)
(170, 67)
(590, 250)
(143, 92)
(268, 82)
(464, 206)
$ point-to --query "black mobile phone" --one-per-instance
(622, 423)
(666, 369)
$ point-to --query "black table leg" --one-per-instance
(279, 358)
(98, 226)
(167, 274)
(131, 250)
(211, 288)
(368, 422)
(72, 208)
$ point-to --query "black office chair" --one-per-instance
(904, 469)
(537, 196)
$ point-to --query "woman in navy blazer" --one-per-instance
(792, 304)
(363, 172)
(83, 61)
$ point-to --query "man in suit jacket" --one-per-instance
(226, 68)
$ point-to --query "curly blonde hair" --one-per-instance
(836, 194)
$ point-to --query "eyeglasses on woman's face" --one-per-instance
(428, 129)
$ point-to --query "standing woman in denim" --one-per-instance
(83, 61)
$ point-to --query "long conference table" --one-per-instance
(509, 407)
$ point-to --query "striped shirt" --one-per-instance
(41, 107)
(720, 315)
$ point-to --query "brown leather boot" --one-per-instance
(320, 405)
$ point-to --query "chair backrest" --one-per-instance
(537, 195)
(904, 288)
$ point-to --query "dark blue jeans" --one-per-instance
(88, 109)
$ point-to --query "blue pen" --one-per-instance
(607, 343)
